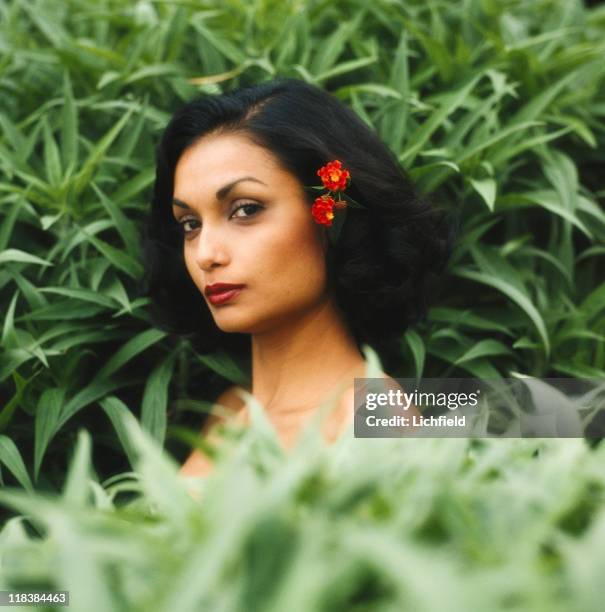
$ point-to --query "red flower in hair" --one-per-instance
(333, 176)
(335, 179)
(323, 210)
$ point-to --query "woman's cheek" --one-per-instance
(295, 258)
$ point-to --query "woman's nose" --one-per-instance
(211, 249)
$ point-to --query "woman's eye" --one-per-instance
(250, 209)
(183, 225)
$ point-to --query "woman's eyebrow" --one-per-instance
(222, 193)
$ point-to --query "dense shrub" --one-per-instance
(496, 110)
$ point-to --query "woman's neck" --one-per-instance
(296, 366)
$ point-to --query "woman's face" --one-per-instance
(257, 232)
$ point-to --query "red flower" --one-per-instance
(333, 176)
(323, 210)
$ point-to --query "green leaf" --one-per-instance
(85, 295)
(98, 388)
(592, 251)
(115, 409)
(134, 186)
(550, 258)
(496, 139)
(222, 44)
(8, 410)
(76, 489)
(351, 203)
(69, 127)
(47, 418)
(61, 309)
(449, 104)
(124, 226)
(373, 364)
(18, 256)
(11, 458)
(118, 258)
(486, 188)
(525, 343)
(158, 473)
(85, 337)
(563, 176)
(540, 102)
(479, 368)
(416, 345)
(594, 303)
(224, 364)
(549, 200)
(9, 337)
(514, 294)
(466, 318)
(494, 264)
(8, 223)
(83, 177)
(380, 90)
(590, 207)
(52, 160)
(579, 370)
(131, 349)
(330, 48)
(33, 298)
(471, 237)
(11, 359)
(483, 348)
(117, 291)
(81, 234)
(47, 221)
(345, 67)
(155, 399)
(153, 71)
(395, 119)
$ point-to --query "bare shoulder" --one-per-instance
(389, 382)
(230, 397)
(197, 464)
(344, 413)
(229, 400)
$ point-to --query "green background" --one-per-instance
(495, 108)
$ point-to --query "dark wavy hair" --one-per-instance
(387, 256)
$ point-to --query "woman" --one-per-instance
(240, 263)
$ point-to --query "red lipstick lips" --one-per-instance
(219, 293)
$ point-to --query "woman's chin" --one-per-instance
(232, 324)
(232, 328)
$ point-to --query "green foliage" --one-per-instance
(495, 108)
(424, 524)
